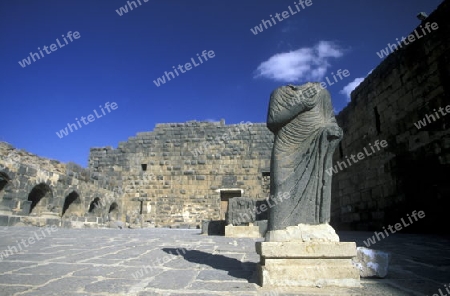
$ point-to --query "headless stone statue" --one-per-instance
(301, 248)
(306, 135)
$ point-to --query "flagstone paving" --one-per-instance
(161, 261)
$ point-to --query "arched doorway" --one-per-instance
(113, 212)
(72, 202)
(95, 206)
(4, 179)
(5, 205)
(39, 197)
(113, 207)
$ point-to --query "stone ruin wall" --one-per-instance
(188, 165)
(177, 174)
(413, 172)
(56, 187)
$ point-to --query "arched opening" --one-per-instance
(4, 179)
(113, 213)
(114, 207)
(70, 199)
(38, 193)
(95, 204)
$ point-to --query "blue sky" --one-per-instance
(117, 58)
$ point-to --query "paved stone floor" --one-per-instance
(184, 262)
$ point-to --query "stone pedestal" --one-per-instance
(250, 231)
(308, 260)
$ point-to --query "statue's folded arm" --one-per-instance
(285, 104)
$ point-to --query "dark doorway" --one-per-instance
(4, 179)
(37, 194)
(95, 204)
(114, 207)
(225, 196)
(70, 199)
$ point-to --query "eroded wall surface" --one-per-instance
(180, 174)
(40, 191)
(413, 172)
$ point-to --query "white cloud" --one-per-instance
(304, 64)
(347, 90)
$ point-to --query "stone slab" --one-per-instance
(306, 249)
(307, 264)
(4, 220)
(316, 275)
(372, 263)
(303, 233)
(242, 231)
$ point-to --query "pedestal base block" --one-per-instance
(307, 264)
(242, 231)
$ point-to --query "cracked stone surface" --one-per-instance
(170, 262)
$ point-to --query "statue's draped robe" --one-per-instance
(306, 135)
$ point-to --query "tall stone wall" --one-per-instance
(412, 172)
(182, 173)
(40, 191)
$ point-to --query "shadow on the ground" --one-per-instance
(234, 267)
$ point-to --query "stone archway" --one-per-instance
(5, 205)
(4, 179)
(95, 206)
(72, 204)
(113, 211)
(113, 207)
(39, 197)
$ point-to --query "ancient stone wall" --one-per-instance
(40, 191)
(412, 172)
(182, 173)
